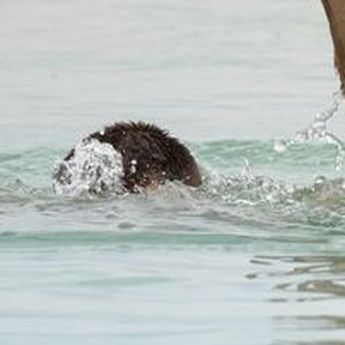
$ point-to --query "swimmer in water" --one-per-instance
(149, 157)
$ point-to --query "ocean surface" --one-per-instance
(256, 256)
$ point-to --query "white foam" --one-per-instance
(95, 168)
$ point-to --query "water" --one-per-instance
(94, 169)
(255, 256)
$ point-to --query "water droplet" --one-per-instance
(280, 146)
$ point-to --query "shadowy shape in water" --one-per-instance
(335, 11)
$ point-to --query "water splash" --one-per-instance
(248, 188)
(94, 169)
(230, 192)
(318, 131)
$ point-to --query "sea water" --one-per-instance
(254, 256)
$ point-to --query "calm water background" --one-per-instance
(254, 257)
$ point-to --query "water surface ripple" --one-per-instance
(262, 236)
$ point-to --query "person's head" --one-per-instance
(150, 155)
(127, 155)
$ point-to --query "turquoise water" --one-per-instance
(254, 256)
(245, 252)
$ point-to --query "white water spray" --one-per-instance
(318, 131)
(94, 169)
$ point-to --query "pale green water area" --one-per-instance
(256, 256)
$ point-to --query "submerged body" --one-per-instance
(132, 156)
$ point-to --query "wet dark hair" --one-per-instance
(150, 155)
